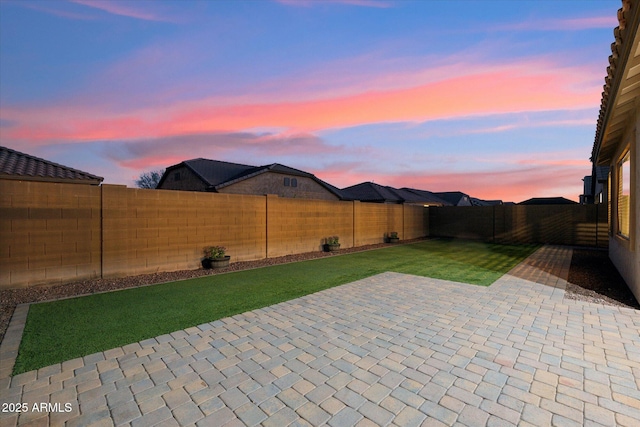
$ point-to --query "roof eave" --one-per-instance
(626, 37)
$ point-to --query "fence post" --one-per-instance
(597, 224)
(355, 221)
(493, 223)
(101, 231)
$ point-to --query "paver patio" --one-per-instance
(392, 349)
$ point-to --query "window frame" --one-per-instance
(623, 195)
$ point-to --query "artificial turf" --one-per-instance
(62, 330)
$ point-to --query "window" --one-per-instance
(294, 182)
(176, 176)
(609, 196)
(624, 194)
(287, 182)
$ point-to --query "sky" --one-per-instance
(497, 99)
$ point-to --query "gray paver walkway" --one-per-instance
(388, 350)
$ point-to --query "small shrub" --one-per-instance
(212, 252)
(333, 240)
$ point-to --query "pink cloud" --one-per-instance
(510, 185)
(524, 125)
(512, 178)
(516, 88)
(241, 147)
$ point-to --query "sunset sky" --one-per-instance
(497, 99)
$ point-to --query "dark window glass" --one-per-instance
(287, 182)
(294, 182)
(176, 176)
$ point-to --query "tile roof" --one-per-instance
(372, 192)
(214, 172)
(423, 196)
(17, 165)
(481, 202)
(376, 193)
(623, 55)
(453, 197)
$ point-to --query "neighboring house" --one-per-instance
(599, 185)
(375, 193)
(587, 195)
(479, 202)
(616, 144)
(24, 167)
(548, 201)
(224, 177)
(422, 197)
(372, 193)
(455, 198)
(595, 186)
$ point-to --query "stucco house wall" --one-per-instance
(617, 135)
(274, 183)
(182, 178)
(625, 252)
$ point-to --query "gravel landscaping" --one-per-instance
(592, 278)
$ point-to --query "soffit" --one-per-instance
(622, 94)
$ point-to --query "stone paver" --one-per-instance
(392, 349)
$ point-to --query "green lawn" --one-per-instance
(63, 330)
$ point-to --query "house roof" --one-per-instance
(423, 196)
(621, 88)
(372, 192)
(212, 172)
(217, 174)
(480, 202)
(548, 201)
(17, 165)
(452, 197)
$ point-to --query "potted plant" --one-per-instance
(332, 244)
(392, 237)
(214, 257)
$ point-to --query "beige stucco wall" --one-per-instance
(625, 253)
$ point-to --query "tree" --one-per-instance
(149, 179)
